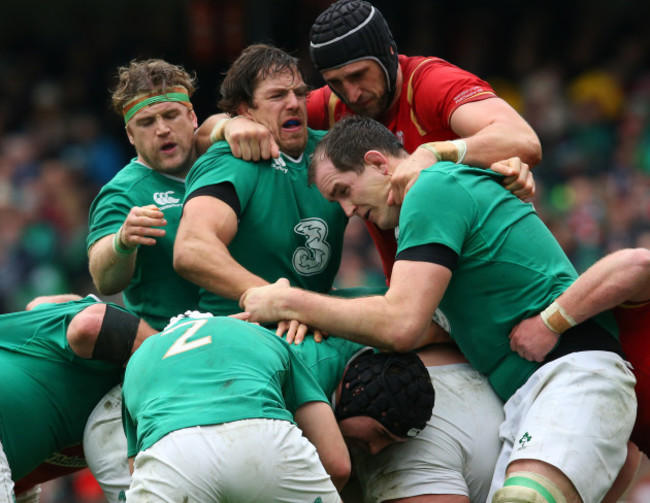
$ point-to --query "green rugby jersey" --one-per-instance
(156, 292)
(510, 266)
(211, 371)
(286, 228)
(46, 391)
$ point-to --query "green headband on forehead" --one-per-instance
(139, 103)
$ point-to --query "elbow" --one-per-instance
(340, 472)
(105, 289)
(640, 258)
(406, 335)
(533, 149)
(103, 282)
(183, 262)
(84, 328)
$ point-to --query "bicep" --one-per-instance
(418, 287)
(470, 118)
(207, 216)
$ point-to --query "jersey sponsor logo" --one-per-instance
(60, 459)
(314, 256)
(279, 165)
(165, 198)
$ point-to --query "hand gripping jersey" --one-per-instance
(286, 228)
(432, 90)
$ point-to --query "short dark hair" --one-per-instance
(254, 64)
(395, 389)
(348, 141)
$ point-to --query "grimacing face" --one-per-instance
(363, 86)
(280, 103)
(362, 194)
(163, 137)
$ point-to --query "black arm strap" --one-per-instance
(116, 336)
(224, 191)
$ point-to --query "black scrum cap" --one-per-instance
(393, 388)
(349, 31)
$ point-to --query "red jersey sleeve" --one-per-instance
(440, 87)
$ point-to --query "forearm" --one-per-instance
(502, 141)
(621, 276)
(375, 321)
(208, 264)
(202, 139)
(111, 271)
(317, 422)
(493, 131)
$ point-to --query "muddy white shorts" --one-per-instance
(6, 483)
(105, 447)
(454, 454)
(575, 413)
(245, 461)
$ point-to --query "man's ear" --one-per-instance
(244, 110)
(129, 135)
(377, 160)
(193, 118)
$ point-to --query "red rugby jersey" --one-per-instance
(431, 91)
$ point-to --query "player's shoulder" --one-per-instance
(219, 159)
(409, 64)
(315, 136)
(137, 184)
(135, 175)
(433, 179)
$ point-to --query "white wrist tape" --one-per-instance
(557, 319)
(217, 133)
(450, 150)
(461, 147)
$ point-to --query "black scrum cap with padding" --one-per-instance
(352, 30)
(393, 388)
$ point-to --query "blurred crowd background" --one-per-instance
(577, 70)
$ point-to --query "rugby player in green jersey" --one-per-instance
(133, 223)
(249, 223)
(59, 358)
(212, 404)
(469, 246)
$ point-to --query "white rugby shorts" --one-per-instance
(246, 461)
(575, 413)
(105, 446)
(456, 452)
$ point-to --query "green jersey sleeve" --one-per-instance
(218, 165)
